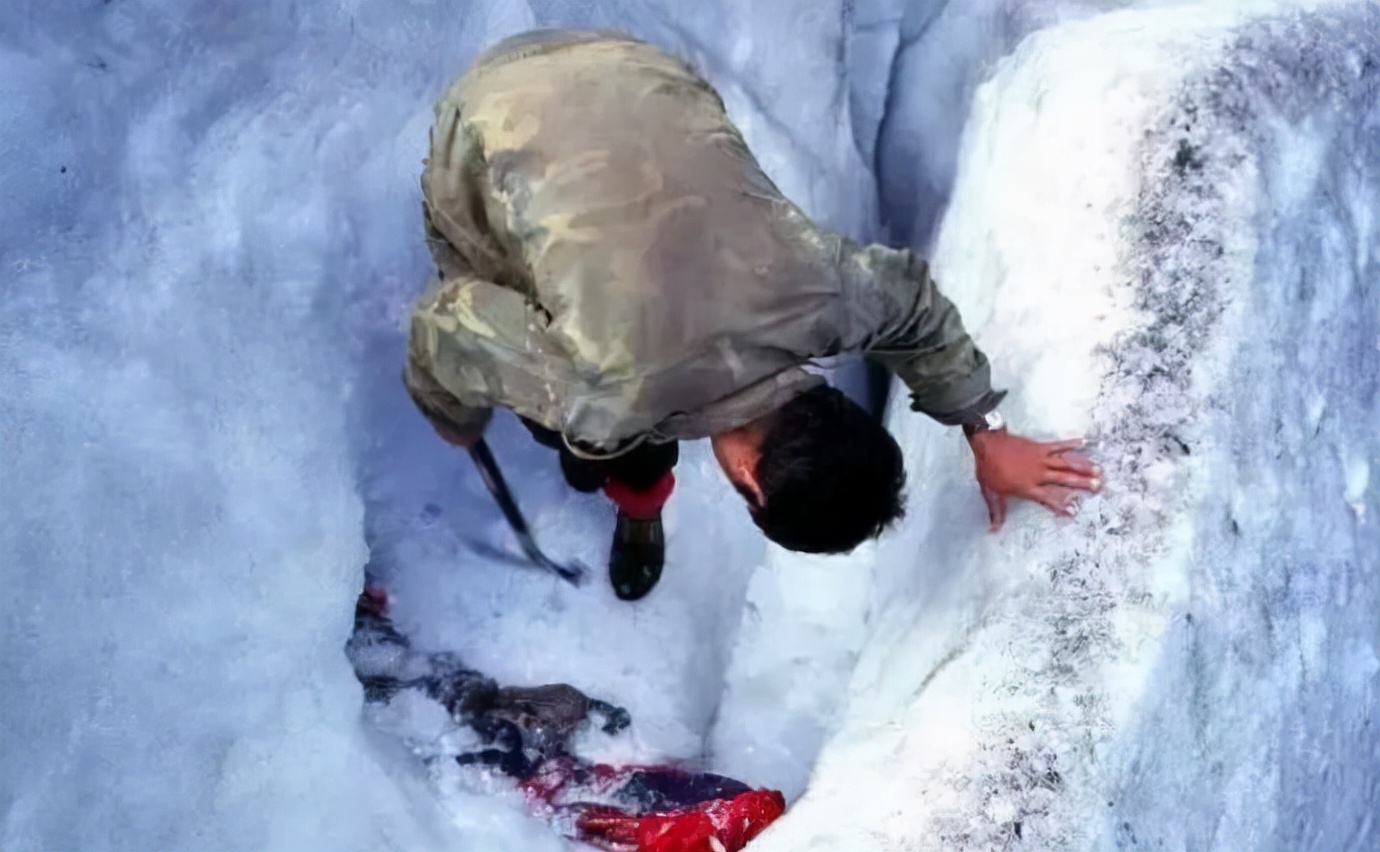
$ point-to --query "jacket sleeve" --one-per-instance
(908, 326)
(438, 404)
(474, 345)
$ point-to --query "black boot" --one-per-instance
(637, 556)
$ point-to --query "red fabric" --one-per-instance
(559, 780)
(730, 822)
(642, 505)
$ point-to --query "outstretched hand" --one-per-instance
(1049, 473)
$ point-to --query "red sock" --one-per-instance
(641, 505)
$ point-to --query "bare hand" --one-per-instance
(1049, 473)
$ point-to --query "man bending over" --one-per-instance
(616, 269)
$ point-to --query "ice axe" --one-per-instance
(493, 478)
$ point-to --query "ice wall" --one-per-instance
(1163, 231)
(926, 59)
(190, 192)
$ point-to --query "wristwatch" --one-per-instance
(992, 421)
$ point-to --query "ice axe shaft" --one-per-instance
(493, 479)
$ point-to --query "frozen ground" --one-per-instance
(1162, 228)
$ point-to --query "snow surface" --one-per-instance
(1160, 222)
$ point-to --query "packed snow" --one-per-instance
(1159, 221)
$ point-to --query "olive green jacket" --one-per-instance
(614, 265)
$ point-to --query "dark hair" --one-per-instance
(830, 473)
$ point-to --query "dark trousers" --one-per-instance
(638, 469)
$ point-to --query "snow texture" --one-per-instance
(1159, 221)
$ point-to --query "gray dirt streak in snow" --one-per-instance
(1145, 421)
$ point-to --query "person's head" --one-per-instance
(820, 474)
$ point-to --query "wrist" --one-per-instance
(987, 423)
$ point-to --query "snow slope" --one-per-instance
(208, 238)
